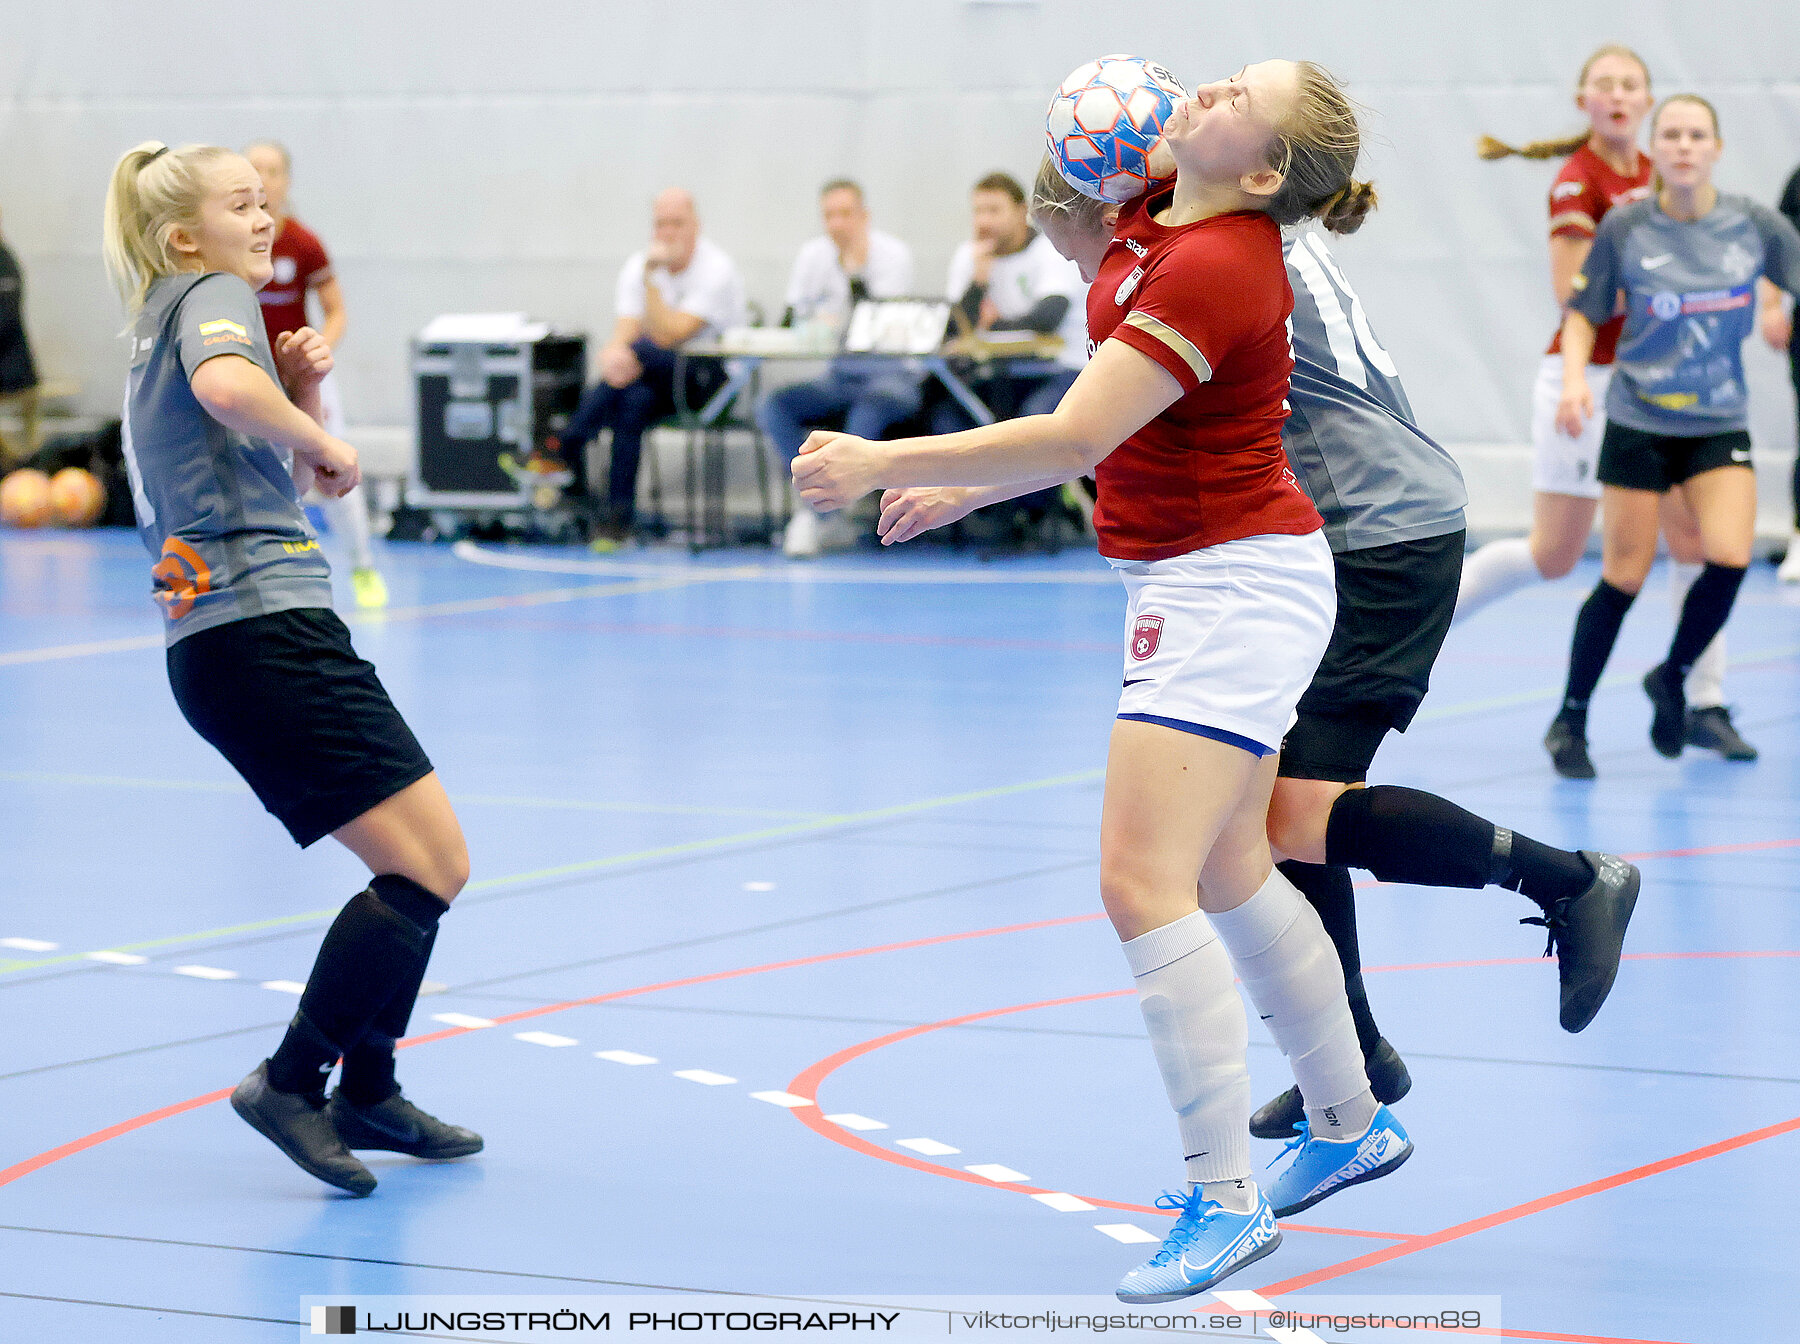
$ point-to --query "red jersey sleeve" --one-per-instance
(1198, 301)
(1576, 202)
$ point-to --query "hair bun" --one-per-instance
(1345, 209)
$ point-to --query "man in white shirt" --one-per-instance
(680, 287)
(849, 263)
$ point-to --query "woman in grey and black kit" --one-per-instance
(1686, 262)
(221, 436)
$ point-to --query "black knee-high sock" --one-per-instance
(1328, 890)
(375, 947)
(1703, 614)
(368, 1074)
(1404, 835)
(1596, 631)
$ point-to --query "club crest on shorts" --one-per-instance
(1145, 636)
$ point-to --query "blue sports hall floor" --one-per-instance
(781, 971)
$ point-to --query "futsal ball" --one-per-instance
(77, 499)
(25, 498)
(1105, 120)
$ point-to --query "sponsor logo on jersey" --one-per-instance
(1737, 262)
(1562, 189)
(1716, 301)
(1666, 305)
(1740, 454)
(1627, 197)
(1656, 263)
(180, 577)
(1145, 636)
(1130, 283)
(284, 270)
(1671, 401)
(1137, 248)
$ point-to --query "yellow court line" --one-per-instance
(792, 829)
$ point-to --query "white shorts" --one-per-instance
(331, 407)
(1561, 465)
(1222, 642)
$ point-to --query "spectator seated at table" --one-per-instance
(679, 288)
(850, 262)
(1008, 278)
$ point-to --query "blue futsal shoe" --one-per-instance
(1207, 1243)
(1323, 1167)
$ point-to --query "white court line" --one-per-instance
(546, 1038)
(929, 1147)
(993, 1171)
(461, 1020)
(285, 986)
(1062, 1203)
(785, 574)
(705, 1077)
(787, 1099)
(29, 944)
(851, 1120)
(206, 972)
(1253, 1304)
(624, 1057)
(117, 958)
(1129, 1233)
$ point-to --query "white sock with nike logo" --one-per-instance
(1199, 1033)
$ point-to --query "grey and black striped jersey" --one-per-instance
(1374, 476)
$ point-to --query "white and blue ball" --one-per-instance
(1105, 120)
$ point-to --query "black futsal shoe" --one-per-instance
(398, 1126)
(297, 1124)
(1668, 703)
(1587, 934)
(1712, 729)
(1568, 750)
(1388, 1080)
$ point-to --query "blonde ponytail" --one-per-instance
(154, 190)
(1345, 209)
(1489, 148)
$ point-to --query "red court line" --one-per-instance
(806, 1084)
(1518, 1211)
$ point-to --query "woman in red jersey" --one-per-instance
(1178, 417)
(1604, 168)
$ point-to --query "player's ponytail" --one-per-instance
(1560, 147)
(154, 190)
(1051, 194)
(1345, 210)
(1315, 150)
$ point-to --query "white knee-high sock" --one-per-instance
(1498, 568)
(349, 517)
(1199, 1033)
(1293, 976)
(1706, 679)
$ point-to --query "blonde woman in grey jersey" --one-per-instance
(221, 436)
(1685, 264)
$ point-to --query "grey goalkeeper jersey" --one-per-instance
(216, 508)
(1375, 477)
(1689, 289)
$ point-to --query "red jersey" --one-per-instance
(1209, 302)
(300, 265)
(1583, 192)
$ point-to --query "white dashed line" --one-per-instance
(706, 1077)
(285, 986)
(993, 1171)
(461, 1020)
(1129, 1233)
(118, 958)
(548, 1038)
(1063, 1203)
(929, 1147)
(1254, 1303)
(29, 944)
(759, 886)
(206, 972)
(624, 1057)
(851, 1120)
(787, 1099)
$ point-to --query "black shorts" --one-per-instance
(1394, 609)
(1639, 461)
(305, 721)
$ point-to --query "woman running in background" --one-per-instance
(1604, 169)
